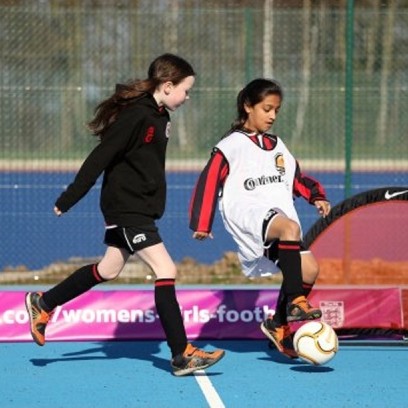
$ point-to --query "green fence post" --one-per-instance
(249, 32)
(349, 96)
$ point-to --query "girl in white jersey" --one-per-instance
(256, 178)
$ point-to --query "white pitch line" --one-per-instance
(210, 393)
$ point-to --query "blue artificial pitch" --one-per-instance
(137, 375)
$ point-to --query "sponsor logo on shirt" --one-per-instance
(253, 183)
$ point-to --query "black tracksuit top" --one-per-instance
(131, 154)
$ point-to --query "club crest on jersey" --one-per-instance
(149, 134)
(280, 163)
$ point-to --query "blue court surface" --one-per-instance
(137, 374)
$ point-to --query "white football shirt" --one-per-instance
(259, 180)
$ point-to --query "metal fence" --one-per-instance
(343, 65)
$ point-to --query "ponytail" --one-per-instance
(167, 67)
(107, 111)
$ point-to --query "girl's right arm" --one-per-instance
(205, 195)
(112, 147)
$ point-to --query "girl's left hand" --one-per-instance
(57, 211)
(323, 207)
(200, 235)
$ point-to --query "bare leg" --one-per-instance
(112, 262)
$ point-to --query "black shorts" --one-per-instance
(133, 239)
(271, 252)
(268, 218)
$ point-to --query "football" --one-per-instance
(316, 342)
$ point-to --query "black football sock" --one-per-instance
(307, 288)
(280, 317)
(291, 267)
(169, 312)
(280, 313)
(74, 285)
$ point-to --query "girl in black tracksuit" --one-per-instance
(133, 125)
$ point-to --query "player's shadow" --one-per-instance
(298, 365)
(112, 350)
(275, 356)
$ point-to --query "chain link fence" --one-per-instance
(342, 64)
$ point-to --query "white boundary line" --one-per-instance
(210, 393)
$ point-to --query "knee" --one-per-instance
(291, 231)
(169, 272)
(109, 274)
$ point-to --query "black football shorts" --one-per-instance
(132, 239)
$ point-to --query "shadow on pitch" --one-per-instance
(307, 368)
(297, 364)
(113, 350)
(275, 356)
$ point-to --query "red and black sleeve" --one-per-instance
(205, 195)
(307, 187)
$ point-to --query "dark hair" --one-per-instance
(253, 93)
(166, 67)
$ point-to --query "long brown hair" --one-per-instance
(166, 67)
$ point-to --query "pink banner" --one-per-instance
(208, 314)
